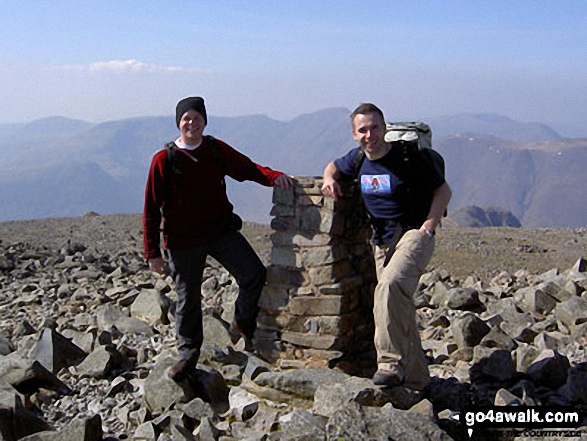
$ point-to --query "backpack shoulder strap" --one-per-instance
(358, 162)
(171, 173)
(171, 149)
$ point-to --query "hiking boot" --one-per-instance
(236, 334)
(386, 378)
(180, 370)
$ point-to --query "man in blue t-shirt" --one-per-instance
(406, 197)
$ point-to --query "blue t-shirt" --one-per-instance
(399, 186)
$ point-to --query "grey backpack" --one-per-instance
(409, 134)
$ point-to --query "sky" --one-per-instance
(110, 59)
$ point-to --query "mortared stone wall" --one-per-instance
(316, 309)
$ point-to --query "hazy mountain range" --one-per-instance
(63, 167)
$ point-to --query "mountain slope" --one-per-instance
(542, 188)
(62, 167)
(56, 191)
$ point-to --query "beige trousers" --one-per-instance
(397, 339)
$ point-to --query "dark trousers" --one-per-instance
(233, 252)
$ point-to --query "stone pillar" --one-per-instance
(316, 309)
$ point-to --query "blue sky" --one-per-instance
(112, 59)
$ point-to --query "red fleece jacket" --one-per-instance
(198, 208)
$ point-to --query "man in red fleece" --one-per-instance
(198, 221)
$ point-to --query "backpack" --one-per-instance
(420, 133)
(409, 135)
(172, 173)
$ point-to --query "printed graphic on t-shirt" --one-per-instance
(375, 184)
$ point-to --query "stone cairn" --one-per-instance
(317, 307)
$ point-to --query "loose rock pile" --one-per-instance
(86, 337)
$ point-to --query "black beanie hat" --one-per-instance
(191, 103)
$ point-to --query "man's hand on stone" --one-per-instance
(331, 188)
(284, 181)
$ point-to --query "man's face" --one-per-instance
(369, 131)
(191, 126)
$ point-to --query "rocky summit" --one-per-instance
(87, 336)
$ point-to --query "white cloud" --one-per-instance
(130, 66)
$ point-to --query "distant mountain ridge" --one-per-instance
(61, 167)
(492, 125)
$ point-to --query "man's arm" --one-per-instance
(330, 186)
(440, 201)
(241, 168)
(152, 213)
